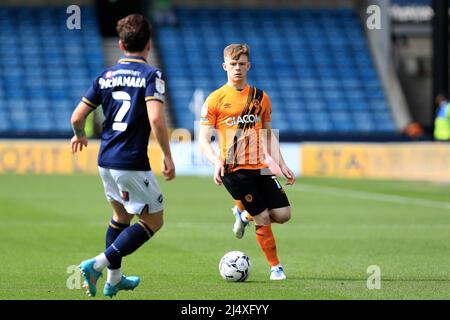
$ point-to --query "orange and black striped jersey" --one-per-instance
(238, 117)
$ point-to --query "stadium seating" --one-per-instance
(45, 68)
(314, 63)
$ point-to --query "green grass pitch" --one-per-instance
(339, 228)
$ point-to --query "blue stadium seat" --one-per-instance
(325, 80)
(32, 85)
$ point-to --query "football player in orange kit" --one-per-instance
(240, 115)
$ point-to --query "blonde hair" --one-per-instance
(234, 51)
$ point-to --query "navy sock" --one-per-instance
(113, 231)
(127, 242)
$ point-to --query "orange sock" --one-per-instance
(242, 208)
(266, 241)
(239, 205)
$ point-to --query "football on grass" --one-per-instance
(235, 266)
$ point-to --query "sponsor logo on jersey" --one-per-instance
(232, 121)
(127, 72)
(160, 198)
(122, 82)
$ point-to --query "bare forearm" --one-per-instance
(78, 127)
(273, 149)
(208, 151)
(162, 136)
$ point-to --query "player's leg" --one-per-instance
(139, 190)
(266, 239)
(143, 196)
(243, 185)
(264, 235)
(120, 221)
(279, 212)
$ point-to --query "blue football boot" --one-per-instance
(90, 276)
(126, 283)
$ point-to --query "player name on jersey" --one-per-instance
(122, 82)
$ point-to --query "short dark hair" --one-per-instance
(134, 31)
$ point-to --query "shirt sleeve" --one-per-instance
(208, 114)
(156, 87)
(92, 96)
(266, 116)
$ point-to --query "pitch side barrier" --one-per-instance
(425, 161)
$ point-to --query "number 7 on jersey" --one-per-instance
(118, 125)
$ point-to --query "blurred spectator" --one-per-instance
(442, 121)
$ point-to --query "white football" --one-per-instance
(235, 266)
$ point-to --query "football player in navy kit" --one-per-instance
(132, 97)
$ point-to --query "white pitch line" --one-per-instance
(349, 193)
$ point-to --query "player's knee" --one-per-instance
(159, 225)
(286, 216)
(154, 221)
(154, 225)
(281, 215)
(124, 219)
(263, 218)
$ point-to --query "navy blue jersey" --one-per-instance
(123, 90)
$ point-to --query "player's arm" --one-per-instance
(205, 134)
(274, 150)
(78, 121)
(155, 112)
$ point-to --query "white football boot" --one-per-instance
(277, 273)
(240, 223)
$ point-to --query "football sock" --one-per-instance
(266, 241)
(114, 276)
(113, 231)
(101, 262)
(128, 241)
(239, 205)
(241, 208)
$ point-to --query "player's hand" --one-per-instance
(169, 169)
(288, 174)
(77, 143)
(219, 171)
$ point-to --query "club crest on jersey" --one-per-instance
(256, 103)
(108, 74)
(249, 198)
